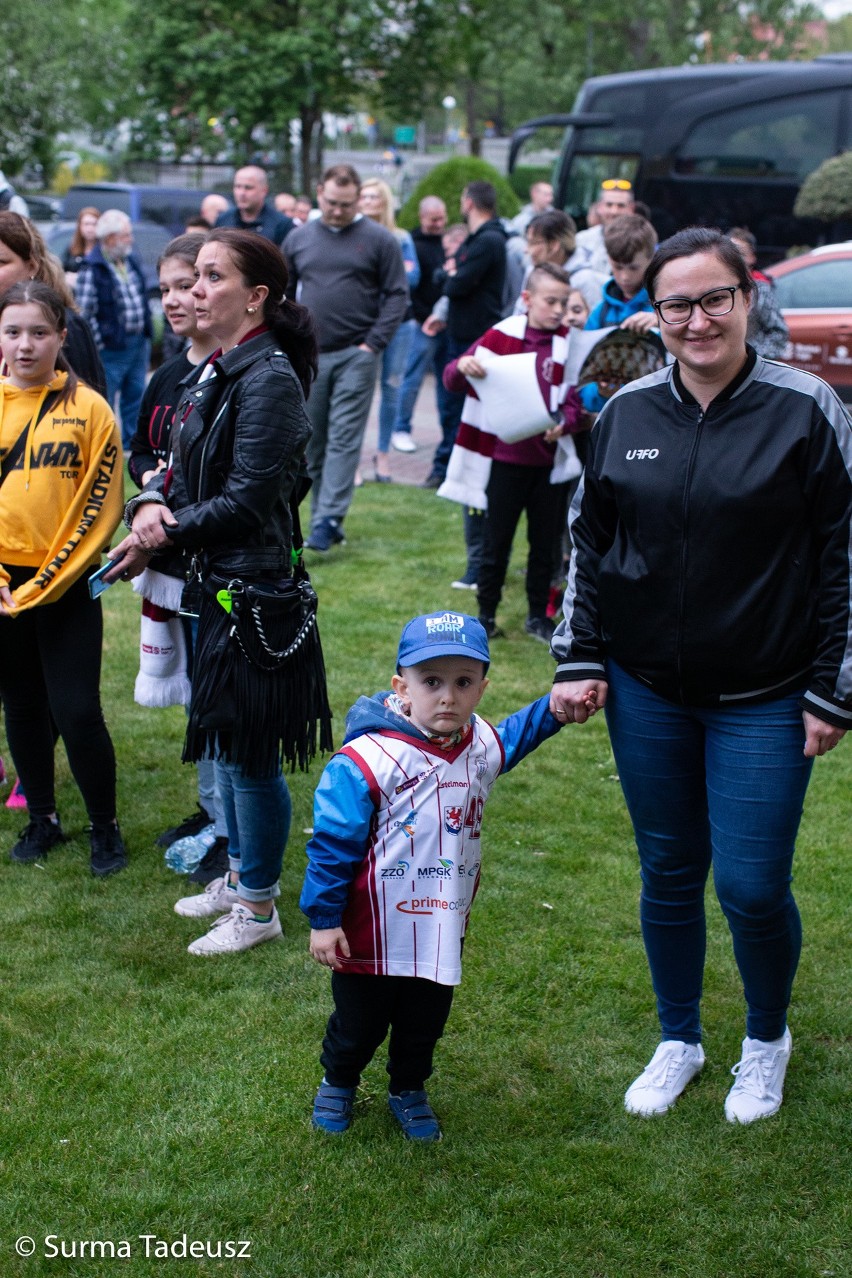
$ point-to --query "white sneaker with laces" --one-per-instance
(759, 1089)
(673, 1065)
(217, 898)
(238, 930)
(403, 443)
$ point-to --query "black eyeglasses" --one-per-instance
(678, 310)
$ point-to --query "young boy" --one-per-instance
(393, 864)
(522, 476)
(630, 242)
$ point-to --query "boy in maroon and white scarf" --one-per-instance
(532, 475)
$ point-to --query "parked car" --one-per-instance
(149, 240)
(814, 292)
(43, 208)
(170, 206)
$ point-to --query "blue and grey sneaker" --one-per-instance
(332, 1108)
(415, 1116)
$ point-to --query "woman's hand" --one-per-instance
(150, 524)
(7, 603)
(325, 942)
(577, 701)
(129, 559)
(820, 737)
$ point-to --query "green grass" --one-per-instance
(146, 1091)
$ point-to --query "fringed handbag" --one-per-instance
(259, 686)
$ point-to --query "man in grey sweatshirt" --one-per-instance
(349, 273)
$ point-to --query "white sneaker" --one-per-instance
(403, 443)
(217, 898)
(759, 1089)
(667, 1073)
(238, 930)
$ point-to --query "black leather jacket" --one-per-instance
(237, 446)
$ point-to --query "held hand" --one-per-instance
(640, 322)
(577, 701)
(362, 346)
(7, 603)
(820, 737)
(325, 942)
(151, 523)
(432, 326)
(555, 432)
(148, 475)
(468, 366)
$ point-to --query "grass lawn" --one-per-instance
(147, 1092)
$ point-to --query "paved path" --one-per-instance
(406, 468)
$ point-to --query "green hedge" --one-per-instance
(448, 180)
(827, 192)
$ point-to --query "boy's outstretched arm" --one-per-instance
(522, 732)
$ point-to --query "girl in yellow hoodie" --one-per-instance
(61, 498)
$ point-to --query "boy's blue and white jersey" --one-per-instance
(395, 855)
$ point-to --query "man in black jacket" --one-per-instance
(253, 210)
(473, 282)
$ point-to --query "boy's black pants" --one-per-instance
(365, 1007)
(512, 490)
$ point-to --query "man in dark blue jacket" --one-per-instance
(253, 210)
(112, 297)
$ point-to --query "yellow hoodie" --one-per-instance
(63, 501)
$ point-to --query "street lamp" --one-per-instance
(449, 104)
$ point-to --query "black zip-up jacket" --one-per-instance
(237, 448)
(712, 549)
(476, 289)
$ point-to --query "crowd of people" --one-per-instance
(706, 605)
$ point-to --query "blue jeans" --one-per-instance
(394, 360)
(424, 353)
(125, 373)
(723, 787)
(257, 814)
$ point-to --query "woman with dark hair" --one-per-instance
(234, 477)
(25, 256)
(61, 495)
(708, 610)
(83, 240)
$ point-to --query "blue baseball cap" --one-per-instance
(442, 634)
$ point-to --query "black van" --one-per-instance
(718, 145)
(169, 206)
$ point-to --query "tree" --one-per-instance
(449, 179)
(46, 55)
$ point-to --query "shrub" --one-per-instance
(448, 180)
(826, 193)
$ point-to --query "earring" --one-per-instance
(251, 310)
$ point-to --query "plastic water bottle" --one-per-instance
(184, 854)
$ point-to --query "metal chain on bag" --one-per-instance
(279, 657)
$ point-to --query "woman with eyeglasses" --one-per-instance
(708, 612)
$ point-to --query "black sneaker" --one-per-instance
(432, 481)
(188, 828)
(213, 864)
(108, 851)
(36, 840)
(492, 630)
(540, 628)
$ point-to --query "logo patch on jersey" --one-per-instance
(413, 781)
(407, 824)
(642, 454)
(480, 766)
(453, 819)
(397, 871)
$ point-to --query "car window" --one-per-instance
(824, 284)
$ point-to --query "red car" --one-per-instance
(814, 292)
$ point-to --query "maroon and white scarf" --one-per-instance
(469, 467)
